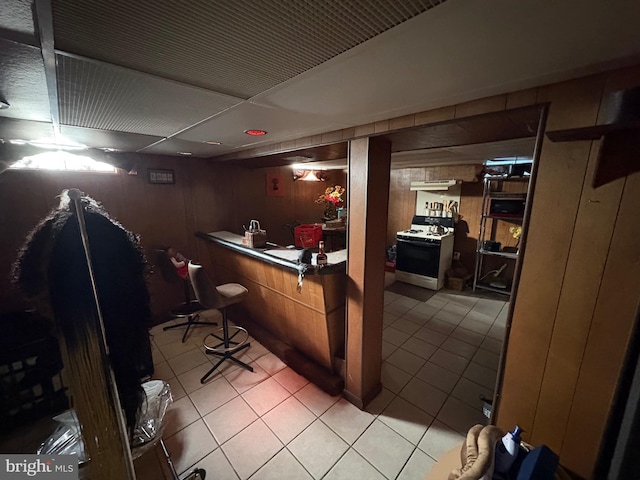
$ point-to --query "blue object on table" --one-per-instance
(539, 464)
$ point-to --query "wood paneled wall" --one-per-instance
(579, 289)
(206, 197)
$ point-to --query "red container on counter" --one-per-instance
(307, 235)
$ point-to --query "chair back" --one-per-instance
(168, 271)
(205, 290)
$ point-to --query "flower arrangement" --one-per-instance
(332, 195)
(332, 199)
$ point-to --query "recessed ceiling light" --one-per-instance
(255, 133)
(213, 142)
(4, 105)
(185, 153)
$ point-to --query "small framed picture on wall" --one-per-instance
(161, 176)
(275, 185)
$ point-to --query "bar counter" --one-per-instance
(310, 319)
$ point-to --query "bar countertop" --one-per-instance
(282, 256)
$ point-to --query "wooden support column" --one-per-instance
(368, 190)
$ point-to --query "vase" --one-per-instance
(330, 211)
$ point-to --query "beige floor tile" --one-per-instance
(388, 318)
(394, 337)
(406, 361)
(181, 413)
(481, 375)
(424, 396)
(230, 419)
(213, 395)
(190, 380)
(387, 349)
(423, 310)
(162, 371)
(497, 332)
(315, 399)
(177, 392)
(430, 336)
(419, 347)
(353, 466)
(418, 466)
(470, 392)
(173, 349)
(380, 402)
(438, 376)
(270, 363)
(489, 307)
(480, 317)
(406, 419)
(436, 302)
(468, 336)
(190, 445)
(459, 416)
(256, 439)
(458, 299)
(418, 317)
(452, 362)
(440, 326)
(242, 379)
(487, 359)
(256, 350)
(456, 308)
(216, 465)
(439, 439)
(459, 347)
(393, 378)
(290, 380)
(449, 317)
(492, 345)
(288, 419)
(401, 305)
(385, 449)
(405, 326)
(265, 396)
(347, 420)
(283, 466)
(156, 355)
(185, 362)
(163, 338)
(318, 448)
(475, 326)
(390, 297)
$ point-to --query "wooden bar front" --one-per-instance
(312, 321)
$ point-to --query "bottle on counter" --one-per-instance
(321, 259)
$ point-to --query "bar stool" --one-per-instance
(228, 340)
(189, 309)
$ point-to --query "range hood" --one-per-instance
(433, 185)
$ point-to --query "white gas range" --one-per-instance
(424, 252)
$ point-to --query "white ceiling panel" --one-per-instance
(280, 124)
(128, 142)
(461, 51)
(173, 146)
(105, 97)
(15, 129)
(22, 82)
(15, 15)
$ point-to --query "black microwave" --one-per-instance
(507, 207)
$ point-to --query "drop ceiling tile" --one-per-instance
(105, 97)
(128, 142)
(172, 146)
(22, 82)
(15, 15)
(279, 123)
(15, 129)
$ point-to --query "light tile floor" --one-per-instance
(439, 356)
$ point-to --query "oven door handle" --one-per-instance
(420, 244)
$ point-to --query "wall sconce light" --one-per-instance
(309, 175)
